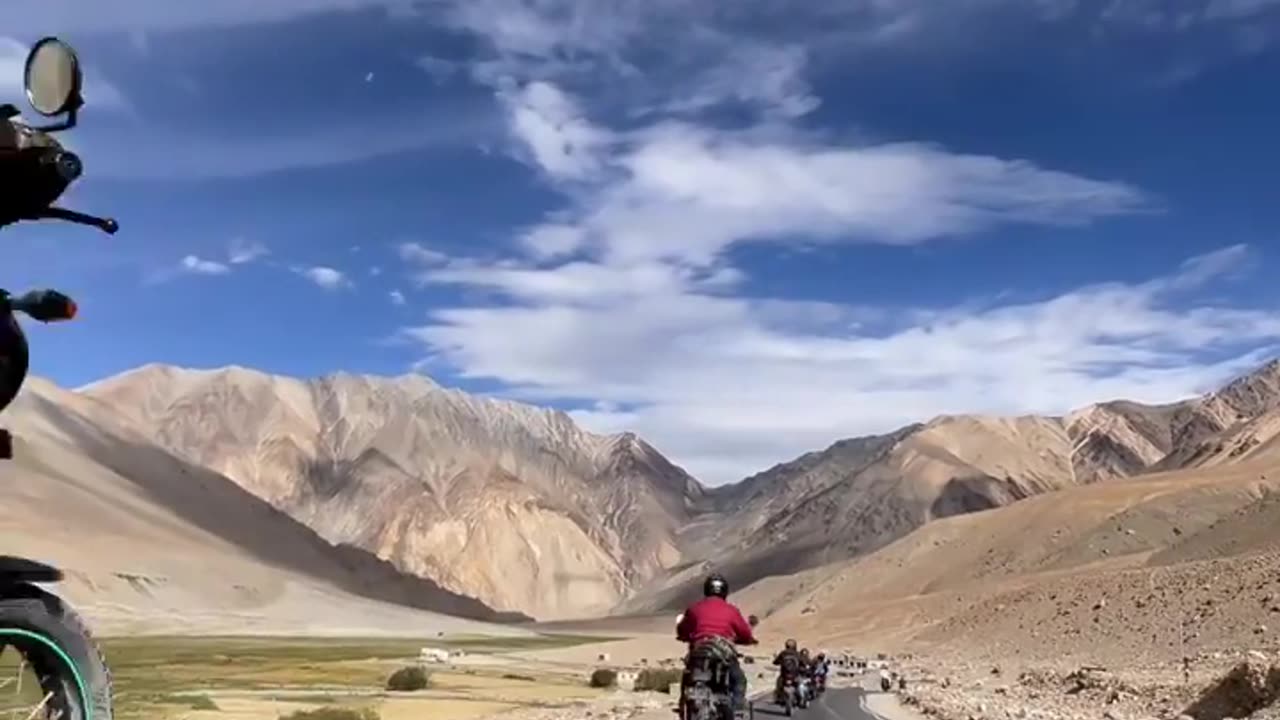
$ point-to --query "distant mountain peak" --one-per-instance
(558, 521)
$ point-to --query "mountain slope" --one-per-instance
(861, 494)
(153, 543)
(511, 504)
(1021, 580)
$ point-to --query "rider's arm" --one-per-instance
(742, 629)
(684, 630)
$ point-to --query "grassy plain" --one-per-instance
(252, 678)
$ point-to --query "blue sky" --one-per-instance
(742, 229)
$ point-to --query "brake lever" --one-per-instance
(106, 225)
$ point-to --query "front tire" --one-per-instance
(61, 643)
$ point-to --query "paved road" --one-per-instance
(835, 704)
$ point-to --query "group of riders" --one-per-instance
(714, 626)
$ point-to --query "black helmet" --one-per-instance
(791, 644)
(716, 585)
(805, 652)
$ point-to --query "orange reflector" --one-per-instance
(72, 309)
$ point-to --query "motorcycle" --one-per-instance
(804, 691)
(819, 684)
(788, 693)
(704, 687)
(60, 672)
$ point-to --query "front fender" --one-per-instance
(16, 570)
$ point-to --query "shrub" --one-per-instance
(657, 680)
(203, 702)
(408, 679)
(333, 713)
(604, 678)
(517, 676)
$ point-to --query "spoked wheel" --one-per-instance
(50, 669)
(35, 683)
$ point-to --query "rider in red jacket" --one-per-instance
(714, 619)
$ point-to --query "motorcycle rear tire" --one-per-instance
(41, 618)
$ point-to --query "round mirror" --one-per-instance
(753, 621)
(52, 77)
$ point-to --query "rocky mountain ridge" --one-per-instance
(505, 502)
(860, 494)
(521, 508)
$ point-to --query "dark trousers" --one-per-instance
(737, 685)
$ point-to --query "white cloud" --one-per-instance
(325, 277)
(624, 299)
(419, 254)
(200, 266)
(397, 297)
(730, 385)
(244, 251)
(551, 126)
(627, 299)
(683, 192)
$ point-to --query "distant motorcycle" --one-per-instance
(59, 673)
(804, 691)
(790, 693)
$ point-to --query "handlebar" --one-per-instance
(35, 170)
(45, 306)
(15, 355)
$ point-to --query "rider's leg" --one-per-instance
(738, 685)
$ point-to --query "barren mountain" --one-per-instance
(861, 494)
(511, 504)
(1108, 571)
(519, 507)
(153, 543)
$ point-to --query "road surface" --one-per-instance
(835, 704)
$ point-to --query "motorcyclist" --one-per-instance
(789, 662)
(806, 669)
(715, 624)
(820, 669)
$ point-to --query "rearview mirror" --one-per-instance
(52, 77)
(752, 620)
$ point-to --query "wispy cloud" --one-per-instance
(686, 192)
(396, 297)
(200, 266)
(681, 363)
(325, 277)
(628, 299)
(419, 254)
(244, 251)
(166, 154)
(240, 252)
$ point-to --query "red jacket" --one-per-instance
(714, 617)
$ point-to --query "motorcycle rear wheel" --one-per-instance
(42, 638)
